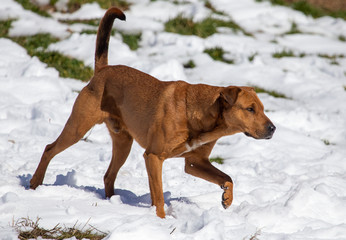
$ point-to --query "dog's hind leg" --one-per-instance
(122, 142)
(85, 114)
(197, 164)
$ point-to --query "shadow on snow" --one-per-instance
(126, 196)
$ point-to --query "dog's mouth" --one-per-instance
(249, 135)
(267, 137)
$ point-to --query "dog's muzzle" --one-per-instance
(267, 133)
(270, 130)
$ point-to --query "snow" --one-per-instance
(312, 44)
(87, 11)
(29, 23)
(290, 187)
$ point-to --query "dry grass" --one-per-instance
(29, 229)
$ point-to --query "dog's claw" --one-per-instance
(223, 201)
(227, 196)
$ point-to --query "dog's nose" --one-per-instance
(271, 128)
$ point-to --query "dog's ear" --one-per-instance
(230, 94)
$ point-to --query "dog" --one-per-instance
(167, 119)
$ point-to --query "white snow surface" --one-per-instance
(289, 187)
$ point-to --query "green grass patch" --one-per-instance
(333, 58)
(252, 57)
(275, 2)
(217, 54)
(287, 53)
(67, 67)
(182, 25)
(5, 26)
(189, 64)
(132, 40)
(52, 2)
(29, 5)
(35, 43)
(284, 53)
(271, 93)
(307, 9)
(29, 229)
(218, 160)
(338, 14)
(92, 22)
(294, 29)
(203, 29)
(208, 5)
(342, 38)
(74, 5)
(326, 142)
(88, 31)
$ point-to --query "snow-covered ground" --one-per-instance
(290, 187)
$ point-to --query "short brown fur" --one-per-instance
(168, 119)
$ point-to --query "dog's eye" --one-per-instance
(250, 109)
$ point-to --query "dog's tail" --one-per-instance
(103, 34)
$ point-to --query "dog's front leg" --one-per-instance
(211, 136)
(154, 168)
(198, 165)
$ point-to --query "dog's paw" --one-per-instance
(227, 196)
(34, 183)
(160, 212)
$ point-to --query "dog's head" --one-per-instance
(244, 112)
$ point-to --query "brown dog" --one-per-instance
(168, 119)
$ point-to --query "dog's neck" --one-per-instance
(204, 113)
(216, 128)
